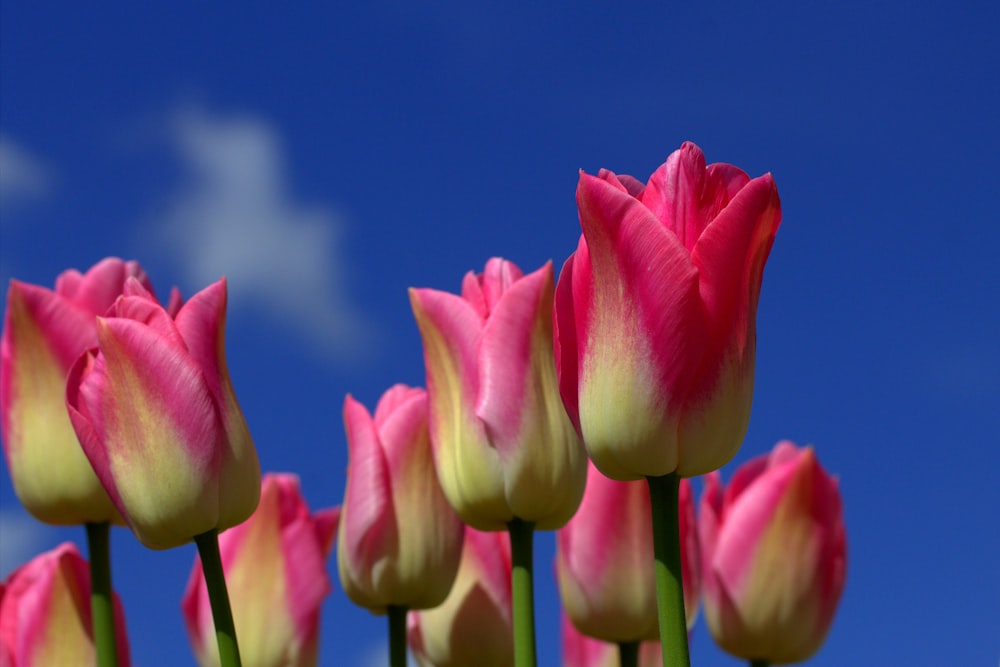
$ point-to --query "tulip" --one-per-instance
(275, 565)
(45, 613)
(604, 561)
(579, 650)
(399, 541)
(473, 625)
(157, 417)
(43, 334)
(655, 314)
(503, 444)
(774, 556)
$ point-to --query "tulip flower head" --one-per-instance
(579, 650)
(774, 556)
(45, 616)
(275, 565)
(399, 541)
(44, 332)
(156, 414)
(605, 566)
(473, 626)
(503, 444)
(655, 314)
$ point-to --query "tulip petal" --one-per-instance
(565, 339)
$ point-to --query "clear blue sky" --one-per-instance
(325, 159)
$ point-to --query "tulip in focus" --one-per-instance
(775, 556)
(604, 561)
(44, 332)
(579, 650)
(655, 314)
(503, 444)
(157, 416)
(399, 541)
(275, 565)
(473, 625)
(45, 613)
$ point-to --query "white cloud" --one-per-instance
(235, 216)
(21, 538)
(22, 175)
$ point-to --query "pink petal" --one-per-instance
(567, 356)
(497, 279)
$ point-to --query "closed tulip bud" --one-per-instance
(605, 566)
(579, 650)
(655, 314)
(275, 565)
(503, 444)
(45, 613)
(44, 332)
(775, 556)
(399, 541)
(473, 625)
(157, 417)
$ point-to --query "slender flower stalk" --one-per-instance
(101, 605)
(218, 595)
(397, 635)
(522, 559)
(628, 654)
(663, 496)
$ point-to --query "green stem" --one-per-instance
(521, 537)
(628, 654)
(218, 597)
(669, 584)
(102, 608)
(760, 663)
(397, 636)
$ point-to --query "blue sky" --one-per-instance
(327, 158)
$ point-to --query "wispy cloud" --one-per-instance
(235, 215)
(22, 175)
(21, 538)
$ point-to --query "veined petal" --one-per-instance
(567, 355)
(497, 278)
(97, 290)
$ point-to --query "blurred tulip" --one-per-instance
(604, 561)
(579, 650)
(473, 625)
(655, 314)
(45, 613)
(275, 565)
(399, 541)
(156, 414)
(503, 444)
(43, 334)
(774, 556)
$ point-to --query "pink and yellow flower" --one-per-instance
(399, 541)
(45, 616)
(774, 556)
(156, 414)
(275, 565)
(503, 444)
(655, 314)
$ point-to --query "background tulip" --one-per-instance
(604, 561)
(275, 565)
(775, 556)
(157, 416)
(655, 314)
(503, 444)
(399, 541)
(473, 625)
(579, 650)
(44, 332)
(45, 613)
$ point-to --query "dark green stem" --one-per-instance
(628, 654)
(669, 584)
(102, 608)
(760, 663)
(397, 636)
(521, 538)
(218, 597)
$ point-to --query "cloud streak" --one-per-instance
(234, 215)
(22, 175)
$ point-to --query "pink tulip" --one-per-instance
(156, 414)
(604, 561)
(655, 314)
(503, 444)
(275, 565)
(399, 541)
(473, 625)
(579, 650)
(45, 613)
(44, 332)
(774, 556)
